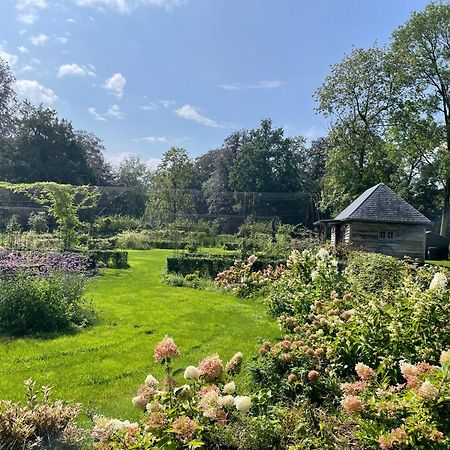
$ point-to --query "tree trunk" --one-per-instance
(445, 209)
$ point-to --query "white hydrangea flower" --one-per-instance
(151, 381)
(229, 388)
(226, 400)
(191, 373)
(243, 403)
(322, 253)
(439, 281)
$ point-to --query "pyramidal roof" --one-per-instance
(382, 204)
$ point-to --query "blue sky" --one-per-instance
(144, 75)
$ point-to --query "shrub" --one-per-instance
(210, 265)
(30, 304)
(109, 225)
(373, 272)
(39, 423)
(113, 259)
(413, 414)
(188, 416)
(37, 221)
(143, 240)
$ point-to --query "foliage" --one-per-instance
(243, 281)
(63, 202)
(187, 416)
(168, 199)
(110, 225)
(30, 304)
(411, 415)
(39, 423)
(42, 264)
(37, 221)
(113, 259)
(404, 319)
(373, 272)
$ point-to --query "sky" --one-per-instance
(145, 75)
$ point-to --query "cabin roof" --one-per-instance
(382, 204)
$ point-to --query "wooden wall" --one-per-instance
(408, 240)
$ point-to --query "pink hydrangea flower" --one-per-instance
(211, 368)
(352, 404)
(166, 350)
(364, 372)
(184, 428)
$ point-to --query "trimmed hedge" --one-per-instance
(113, 259)
(211, 265)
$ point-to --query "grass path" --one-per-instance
(101, 367)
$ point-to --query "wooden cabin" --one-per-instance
(380, 221)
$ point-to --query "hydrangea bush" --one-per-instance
(243, 281)
(412, 414)
(177, 416)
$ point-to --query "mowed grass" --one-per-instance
(442, 263)
(102, 366)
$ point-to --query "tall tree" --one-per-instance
(8, 100)
(170, 197)
(358, 96)
(421, 48)
(45, 148)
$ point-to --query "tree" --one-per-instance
(421, 48)
(99, 171)
(8, 100)
(217, 189)
(170, 197)
(64, 202)
(45, 148)
(133, 177)
(266, 161)
(358, 96)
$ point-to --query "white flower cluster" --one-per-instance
(439, 281)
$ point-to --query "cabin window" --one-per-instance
(386, 235)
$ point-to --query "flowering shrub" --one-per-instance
(243, 281)
(30, 304)
(39, 423)
(178, 416)
(44, 263)
(411, 414)
(309, 275)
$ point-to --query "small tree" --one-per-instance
(63, 201)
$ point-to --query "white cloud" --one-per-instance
(154, 106)
(264, 84)
(125, 6)
(152, 139)
(62, 39)
(116, 84)
(40, 39)
(70, 20)
(153, 163)
(97, 116)
(35, 92)
(10, 58)
(189, 112)
(26, 68)
(28, 10)
(74, 70)
(115, 112)
(22, 49)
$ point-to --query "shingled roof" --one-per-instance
(382, 204)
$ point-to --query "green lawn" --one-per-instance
(442, 263)
(102, 366)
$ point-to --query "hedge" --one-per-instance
(113, 259)
(211, 265)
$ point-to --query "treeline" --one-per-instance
(389, 110)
